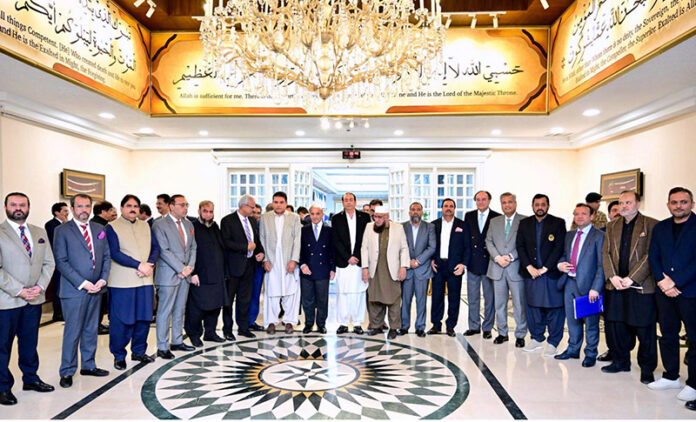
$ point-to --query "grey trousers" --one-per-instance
(171, 309)
(418, 286)
(81, 314)
(474, 284)
(377, 311)
(503, 289)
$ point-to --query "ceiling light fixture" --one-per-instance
(300, 133)
(591, 112)
(203, 132)
(544, 4)
(106, 115)
(398, 132)
(557, 130)
(325, 124)
(146, 130)
(496, 132)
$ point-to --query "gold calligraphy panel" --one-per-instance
(485, 71)
(91, 42)
(595, 39)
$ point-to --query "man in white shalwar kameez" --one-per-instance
(280, 232)
(347, 228)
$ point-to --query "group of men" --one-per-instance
(199, 268)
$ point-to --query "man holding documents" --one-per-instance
(582, 281)
(629, 299)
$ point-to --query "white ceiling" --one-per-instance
(652, 88)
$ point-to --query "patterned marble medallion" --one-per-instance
(307, 377)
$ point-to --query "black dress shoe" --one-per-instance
(450, 332)
(420, 333)
(342, 329)
(120, 364)
(565, 356)
(255, 327)
(401, 332)
(358, 330)
(7, 398)
(487, 335)
(321, 330)
(141, 358)
(66, 382)
(307, 329)
(230, 337)
(96, 372)
(165, 354)
(605, 357)
(501, 339)
(647, 378)
(374, 331)
(391, 335)
(691, 405)
(519, 343)
(468, 333)
(434, 330)
(588, 362)
(38, 386)
(182, 347)
(614, 368)
(196, 342)
(103, 330)
(214, 338)
(246, 333)
(58, 318)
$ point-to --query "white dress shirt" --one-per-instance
(414, 230)
(183, 228)
(91, 238)
(485, 217)
(317, 228)
(445, 238)
(352, 229)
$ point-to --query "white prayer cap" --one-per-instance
(381, 209)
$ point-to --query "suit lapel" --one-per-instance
(9, 231)
(78, 234)
(638, 229)
(686, 231)
(36, 238)
(587, 242)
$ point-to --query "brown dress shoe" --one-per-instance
(289, 329)
(270, 329)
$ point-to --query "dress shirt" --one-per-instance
(245, 220)
(183, 228)
(27, 232)
(485, 217)
(583, 237)
(445, 238)
(91, 238)
(317, 228)
(279, 221)
(352, 229)
(414, 230)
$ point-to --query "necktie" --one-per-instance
(508, 222)
(574, 254)
(481, 222)
(25, 241)
(247, 231)
(181, 233)
(88, 240)
(316, 232)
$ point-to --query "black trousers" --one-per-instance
(198, 319)
(621, 338)
(104, 307)
(240, 289)
(23, 323)
(454, 292)
(315, 301)
(671, 313)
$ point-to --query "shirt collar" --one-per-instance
(512, 217)
(15, 226)
(172, 217)
(79, 225)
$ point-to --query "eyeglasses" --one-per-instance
(182, 204)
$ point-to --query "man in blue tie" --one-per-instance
(317, 267)
(583, 276)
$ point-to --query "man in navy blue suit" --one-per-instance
(477, 222)
(673, 263)
(583, 276)
(60, 213)
(318, 267)
(82, 255)
(449, 263)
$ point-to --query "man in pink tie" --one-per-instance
(583, 276)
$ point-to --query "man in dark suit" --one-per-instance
(146, 214)
(305, 218)
(477, 222)
(449, 262)
(60, 215)
(104, 213)
(540, 246)
(208, 292)
(318, 267)
(254, 305)
(348, 227)
(673, 263)
(26, 265)
(583, 275)
(240, 237)
(82, 256)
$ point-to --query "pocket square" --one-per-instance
(642, 234)
(101, 235)
(41, 240)
(458, 230)
(191, 231)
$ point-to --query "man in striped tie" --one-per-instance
(84, 261)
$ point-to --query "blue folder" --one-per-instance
(583, 307)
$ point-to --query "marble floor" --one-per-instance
(343, 377)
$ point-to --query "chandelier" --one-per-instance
(354, 52)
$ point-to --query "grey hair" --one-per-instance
(316, 206)
(503, 195)
(244, 200)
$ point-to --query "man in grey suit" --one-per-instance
(83, 259)
(422, 242)
(176, 261)
(26, 265)
(503, 269)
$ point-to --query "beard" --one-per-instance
(540, 213)
(17, 215)
(205, 222)
(415, 219)
(379, 229)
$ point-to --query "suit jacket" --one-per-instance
(50, 227)
(459, 248)
(210, 268)
(173, 255)
(317, 254)
(236, 244)
(589, 273)
(552, 238)
(638, 265)
(478, 260)
(291, 238)
(677, 258)
(496, 244)
(74, 261)
(341, 236)
(18, 271)
(422, 250)
(397, 250)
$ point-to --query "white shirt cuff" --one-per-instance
(82, 286)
